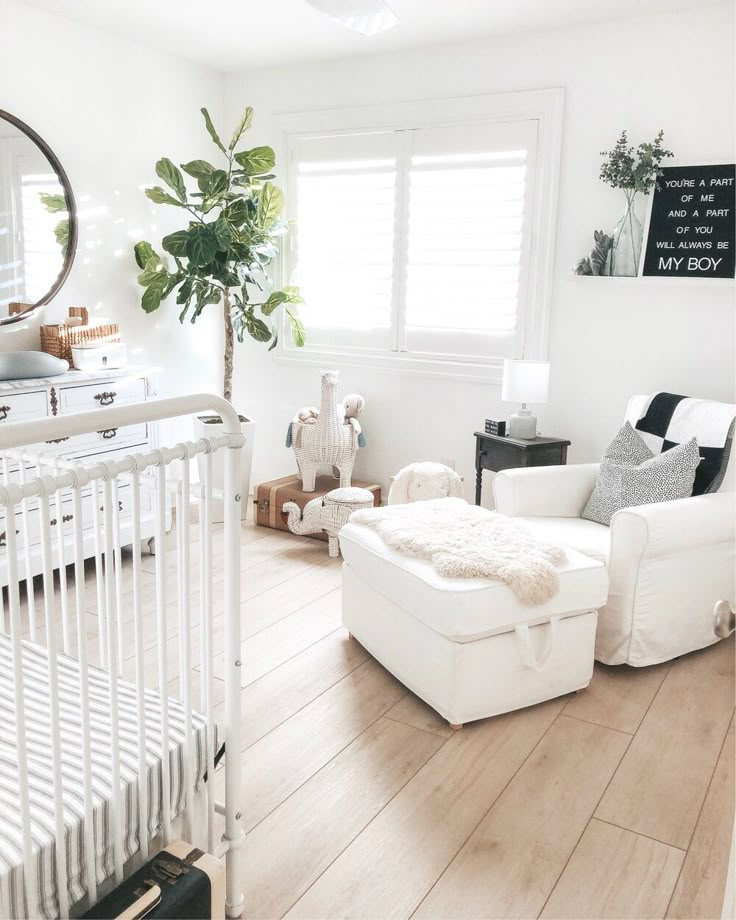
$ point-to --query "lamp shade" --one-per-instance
(525, 381)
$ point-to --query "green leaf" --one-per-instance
(257, 161)
(223, 233)
(256, 328)
(270, 205)
(246, 120)
(208, 294)
(171, 175)
(151, 271)
(185, 292)
(274, 300)
(159, 196)
(154, 293)
(297, 328)
(215, 184)
(201, 244)
(144, 253)
(61, 233)
(176, 243)
(211, 129)
(198, 169)
(237, 212)
(53, 203)
(288, 295)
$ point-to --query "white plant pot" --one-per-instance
(209, 426)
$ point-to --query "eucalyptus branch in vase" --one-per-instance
(633, 171)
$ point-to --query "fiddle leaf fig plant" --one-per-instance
(232, 235)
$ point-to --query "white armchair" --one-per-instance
(668, 563)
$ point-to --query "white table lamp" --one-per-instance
(524, 382)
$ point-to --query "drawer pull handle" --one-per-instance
(4, 537)
(108, 433)
(4, 410)
(65, 518)
(57, 440)
(120, 507)
(105, 399)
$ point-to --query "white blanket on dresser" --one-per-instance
(465, 541)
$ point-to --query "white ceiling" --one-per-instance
(232, 35)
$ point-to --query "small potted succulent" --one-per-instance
(221, 257)
(633, 171)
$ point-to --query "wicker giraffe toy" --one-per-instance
(331, 436)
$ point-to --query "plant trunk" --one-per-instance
(227, 385)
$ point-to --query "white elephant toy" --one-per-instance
(329, 513)
(423, 481)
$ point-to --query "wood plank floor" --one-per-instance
(359, 801)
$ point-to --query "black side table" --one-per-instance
(495, 453)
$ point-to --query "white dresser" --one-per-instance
(76, 391)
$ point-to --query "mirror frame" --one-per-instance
(71, 250)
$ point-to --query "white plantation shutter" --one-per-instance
(344, 237)
(468, 233)
(415, 241)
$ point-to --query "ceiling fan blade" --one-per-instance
(365, 16)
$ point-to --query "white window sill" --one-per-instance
(465, 370)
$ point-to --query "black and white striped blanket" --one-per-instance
(38, 734)
(670, 420)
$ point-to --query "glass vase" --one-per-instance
(627, 240)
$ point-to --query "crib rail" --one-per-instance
(92, 528)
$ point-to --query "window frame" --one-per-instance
(532, 336)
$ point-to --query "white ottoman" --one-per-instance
(467, 647)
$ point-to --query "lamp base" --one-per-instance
(523, 424)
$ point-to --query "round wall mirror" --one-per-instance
(38, 221)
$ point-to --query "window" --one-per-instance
(413, 243)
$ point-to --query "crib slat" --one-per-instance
(51, 647)
(90, 875)
(30, 874)
(112, 614)
(99, 573)
(62, 563)
(185, 636)
(160, 528)
(117, 554)
(139, 675)
(30, 593)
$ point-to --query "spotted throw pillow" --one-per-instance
(625, 483)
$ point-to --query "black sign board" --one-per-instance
(692, 233)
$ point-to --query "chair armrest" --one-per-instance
(545, 491)
(665, 528)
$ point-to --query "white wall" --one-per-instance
(109, 109)
(608, 338)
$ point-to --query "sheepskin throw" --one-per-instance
(465, 541)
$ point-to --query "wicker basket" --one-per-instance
(58, 340)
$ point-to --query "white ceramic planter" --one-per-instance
(208, 426)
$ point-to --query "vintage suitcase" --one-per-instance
(271, 496)
(179, 883)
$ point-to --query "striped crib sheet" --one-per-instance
(36, 694)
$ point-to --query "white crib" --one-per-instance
(96, 769)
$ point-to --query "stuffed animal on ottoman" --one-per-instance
(423, 481)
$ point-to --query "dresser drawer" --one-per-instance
(20, 407)
(101, 395)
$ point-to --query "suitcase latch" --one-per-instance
(262, 505)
